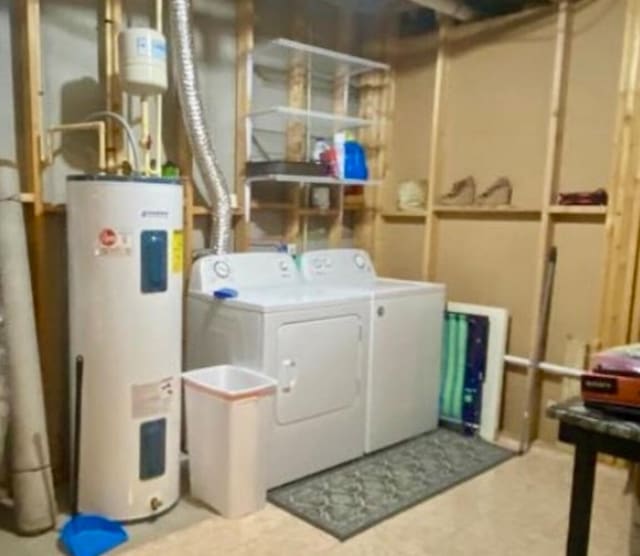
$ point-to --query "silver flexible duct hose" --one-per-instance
(184, 71)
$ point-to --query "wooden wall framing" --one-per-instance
(620, 302)
(375, 100)
(540, 219)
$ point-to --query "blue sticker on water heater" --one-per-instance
(153, 261)
(153, 442)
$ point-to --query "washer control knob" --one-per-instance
(317, 263)
(284, 265)
(327, 262)
(221, 269)
(359, 260)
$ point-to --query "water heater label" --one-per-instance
(152, 398)
(154, 213)
(177, 251)
(113, 242)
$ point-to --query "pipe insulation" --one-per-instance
(544, 366)
(30, 464)
(4, 387)
(186, 79)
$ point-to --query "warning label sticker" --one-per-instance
(113, 242)
(177, 251)
(152, 398)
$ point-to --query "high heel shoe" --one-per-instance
(498, 194)
(462, 192)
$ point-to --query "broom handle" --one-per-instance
(76, 437)
(538, 350)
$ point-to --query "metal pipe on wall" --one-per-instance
(32, 482)
(186, 80)
(544, 366)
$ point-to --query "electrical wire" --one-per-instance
(128, 131)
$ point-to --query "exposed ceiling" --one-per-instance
(479, 8)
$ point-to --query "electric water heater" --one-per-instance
(125, 294)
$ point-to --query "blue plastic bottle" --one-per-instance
(355, 161)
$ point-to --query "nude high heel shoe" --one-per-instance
(462, 193)
(498, 194)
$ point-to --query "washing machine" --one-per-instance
(406, 322)
(313, 340)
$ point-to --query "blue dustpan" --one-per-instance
(91, 535)
(87, 534)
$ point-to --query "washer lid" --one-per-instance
(266, 300)
(389, 287)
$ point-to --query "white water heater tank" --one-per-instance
(125, 251)
(143, 61)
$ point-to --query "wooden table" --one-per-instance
(591, 431)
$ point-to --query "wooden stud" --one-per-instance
(621, 237)
(376, 108)
(340, 107)
(386, 140)
(435, 153)
(112, 21)
(245, 14)
(384, 90)
(29, 17)
(374, 89)
(185, 163)
(621, 141)
(296, 132)
(552, 167)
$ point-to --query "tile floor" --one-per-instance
(518, 508)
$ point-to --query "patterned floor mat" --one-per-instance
(348, 499)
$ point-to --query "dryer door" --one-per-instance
(319, 367)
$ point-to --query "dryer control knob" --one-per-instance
(284, 265)
(359, 260)
(222, 269)
(317, 263)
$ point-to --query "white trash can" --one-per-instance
(229, 419)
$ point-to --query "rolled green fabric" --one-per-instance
(462, 337)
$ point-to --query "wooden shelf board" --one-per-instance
(584, 210)
(500, 210)
(203, 211)
(264, 205)
(404, 214)
(358, 208)
(341, 121)
(325, 62)
(318, 212)
(328, 180)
